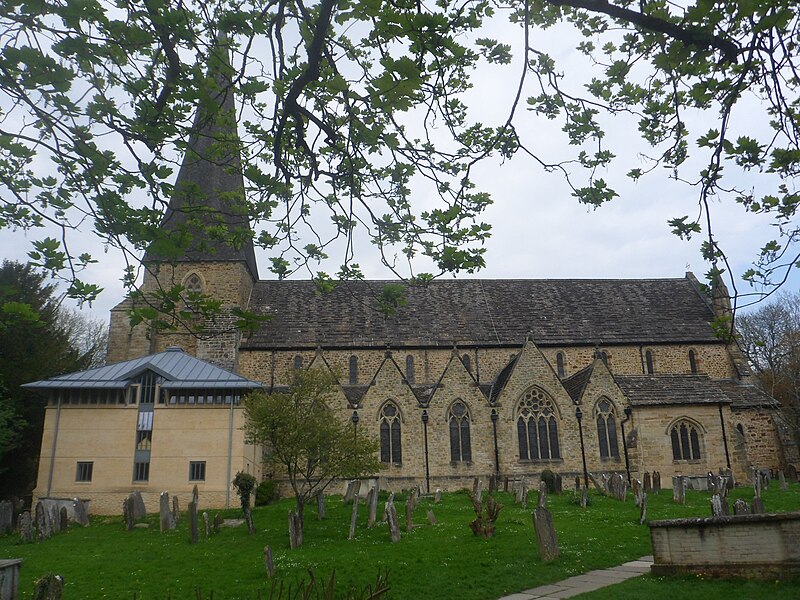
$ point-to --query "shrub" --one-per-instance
(244, 484)
(267, 492)
(549, 479)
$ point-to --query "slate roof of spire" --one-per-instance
(180, 370)
(208, 208)
(492, 312)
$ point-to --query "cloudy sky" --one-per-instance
(539, 230)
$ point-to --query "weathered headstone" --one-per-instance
(740, 507)
(166, 520)
(721, 485)
(757, 483)
(63, 519)
(643, 509)
(679, 490)
(43, 525)
(559, 485)
(6, 517)
(127, 513)
(49, 587)
(55, 519)
(577, 484)
(521, 487)
(207, 523)
(353, 518)
(176, 513)
(391, 519)
(351, 491)
(758, 506)
(656, 482)
(600, 488)
(438, 496)
(139, 510)
(492, 484)
(711, 482)
(716, 505)
(295, 530)
(541, 501)
(791, 471)
(193, 522)
(25, 526)
(80, 511)
(525, 493)
(782, 481)
(248, 519)
(320, 505)
(431, 517)
(372, 504)
(636, 485)
(584, 496)
(411, 504)
(546, 538)
(196, 497)
(218, 520)
(647, 484)
(269, 565)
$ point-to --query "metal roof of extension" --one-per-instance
(179, 370)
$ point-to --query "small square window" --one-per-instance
(197, 470)
(84, 471)
(141, 471)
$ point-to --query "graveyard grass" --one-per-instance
(443, 560)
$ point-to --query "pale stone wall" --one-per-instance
(106, 436)
(760, 437)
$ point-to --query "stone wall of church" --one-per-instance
(760, 437)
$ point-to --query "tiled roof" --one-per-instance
(492, 312)
(180, 370)
(746, 395)
(671, 389)
(575, 384)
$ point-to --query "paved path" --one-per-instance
(588, 582)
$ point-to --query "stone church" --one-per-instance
(470, 378)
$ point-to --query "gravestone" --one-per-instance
(6, 517)
(25, 526)
(193, 522)
(721, 485)
(218, 520)
(207, 523)
(196, 498)
(127, 513)
(577, 484)
(546, 538)
(600, 488)
(438, 496)
(320, 505)
(791, 471)
(411, 504)
(139, 510)
(711, 482)
(295, 530)
(584, 496)
(43, 525)
(643, 509)
(372, 504)
(559, 485)
(353, 518)
(758, 506)
(637, 491)
(49, 587)
(479, 490)
(166, 521)
(716, 505)
(175, 509)
(740, 507)
(757, 484)
(648, 486)
(782, 481)
(678, 490)
(391, 519)
(63, 519)
(55, 519)
(431, 517)
(524, 494)
(80, 511)
(656, 482)
(248, 519)
(269, 565)
(492, 484)
(521, 487)
(542, 499)
(351, 491)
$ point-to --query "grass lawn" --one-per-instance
(440, 561)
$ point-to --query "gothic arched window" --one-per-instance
(193, 284)
(391, 447)
(460, 446)
(606, 429)
(685, 437)
(560, 364)
(353, 370)
(537, 427)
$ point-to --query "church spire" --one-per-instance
(207, 219)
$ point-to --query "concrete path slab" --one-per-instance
(587, 582)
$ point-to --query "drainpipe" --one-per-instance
(494, 431)
(628, 413)
(230, 454)
(53, 451)
(724, 437)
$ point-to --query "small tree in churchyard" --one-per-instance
(304, 439)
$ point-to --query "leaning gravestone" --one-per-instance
(372, 504)
(782, 481)
(391, 519)
(139, 510)
(351, 491)
(6, 517)
(740, 507)
(546, 538)
(80, 511)
(758, 506)
(127, 513)
(354, 517)
(431, 517)
(438, 496)
(643, 509)
(268, 563)
(49, 587)
(648, 486)
(25, 526)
